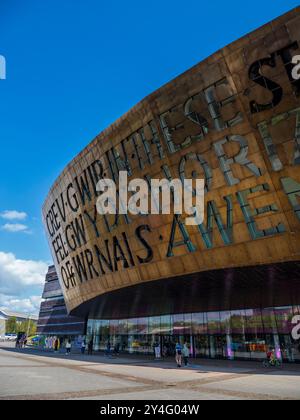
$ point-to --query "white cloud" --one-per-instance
(15, 228)
(13, 215)
(30, 305)
(17, 276)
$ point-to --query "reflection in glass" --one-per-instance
(142, 326)
(178, 324)
(166, 325)
(238, 322)
(213, 322)
(254, 323)
(154, 325)
(284, 317)
(269, 321)
(199, 323)
(240, 334)
(225, 318)
(132, 326)
(113, 328)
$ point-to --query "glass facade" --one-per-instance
(241, 334)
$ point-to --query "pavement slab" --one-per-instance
(37, 375)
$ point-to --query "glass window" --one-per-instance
(166, 325)
(225, 322)
(97, 335)
(296, 310)
(113, 328)
(178, 324)
(123, 327)
(101, 334)
(104, 328)
(142, 326)
(269, 321)
(202, 346)
(239, 347)
(238, 322)
(139, 344)
(284, 318)
(90, 327)
(258, 345)
(187, 324)
(254, 323)
(199, 324)
(213, 322)
(132, 326)
(123, 342)
(97, 328)
(154, 325)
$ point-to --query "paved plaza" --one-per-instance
(31, 374)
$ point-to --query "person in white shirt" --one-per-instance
(157, 351)
(68, 347)
(186, 354)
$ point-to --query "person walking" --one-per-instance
(117, 349)
(108, 347)
(68, 347)
(90, 347)
(178, 357)
(56, 344)
(186, 354)
(83, 346)
(157, 351)
(165, 351)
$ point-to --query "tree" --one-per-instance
(27, 327)
(22, 327)
(11, 326)
(31, 328)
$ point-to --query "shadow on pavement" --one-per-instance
(204, 365)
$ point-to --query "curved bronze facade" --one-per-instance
(233, 119)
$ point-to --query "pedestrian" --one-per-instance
(157, 351)
(108, 349)
(165, 351)
(56, 344)
(269, 355)
(117, 349)
(186, 354)
(68, 347)
(178, 357)
(273, 357)
(90, 347)
(83, 346)
(22, 342)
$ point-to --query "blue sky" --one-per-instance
(75, 66)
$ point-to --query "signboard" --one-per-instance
(233, 120)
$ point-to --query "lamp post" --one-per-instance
(28, 326)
